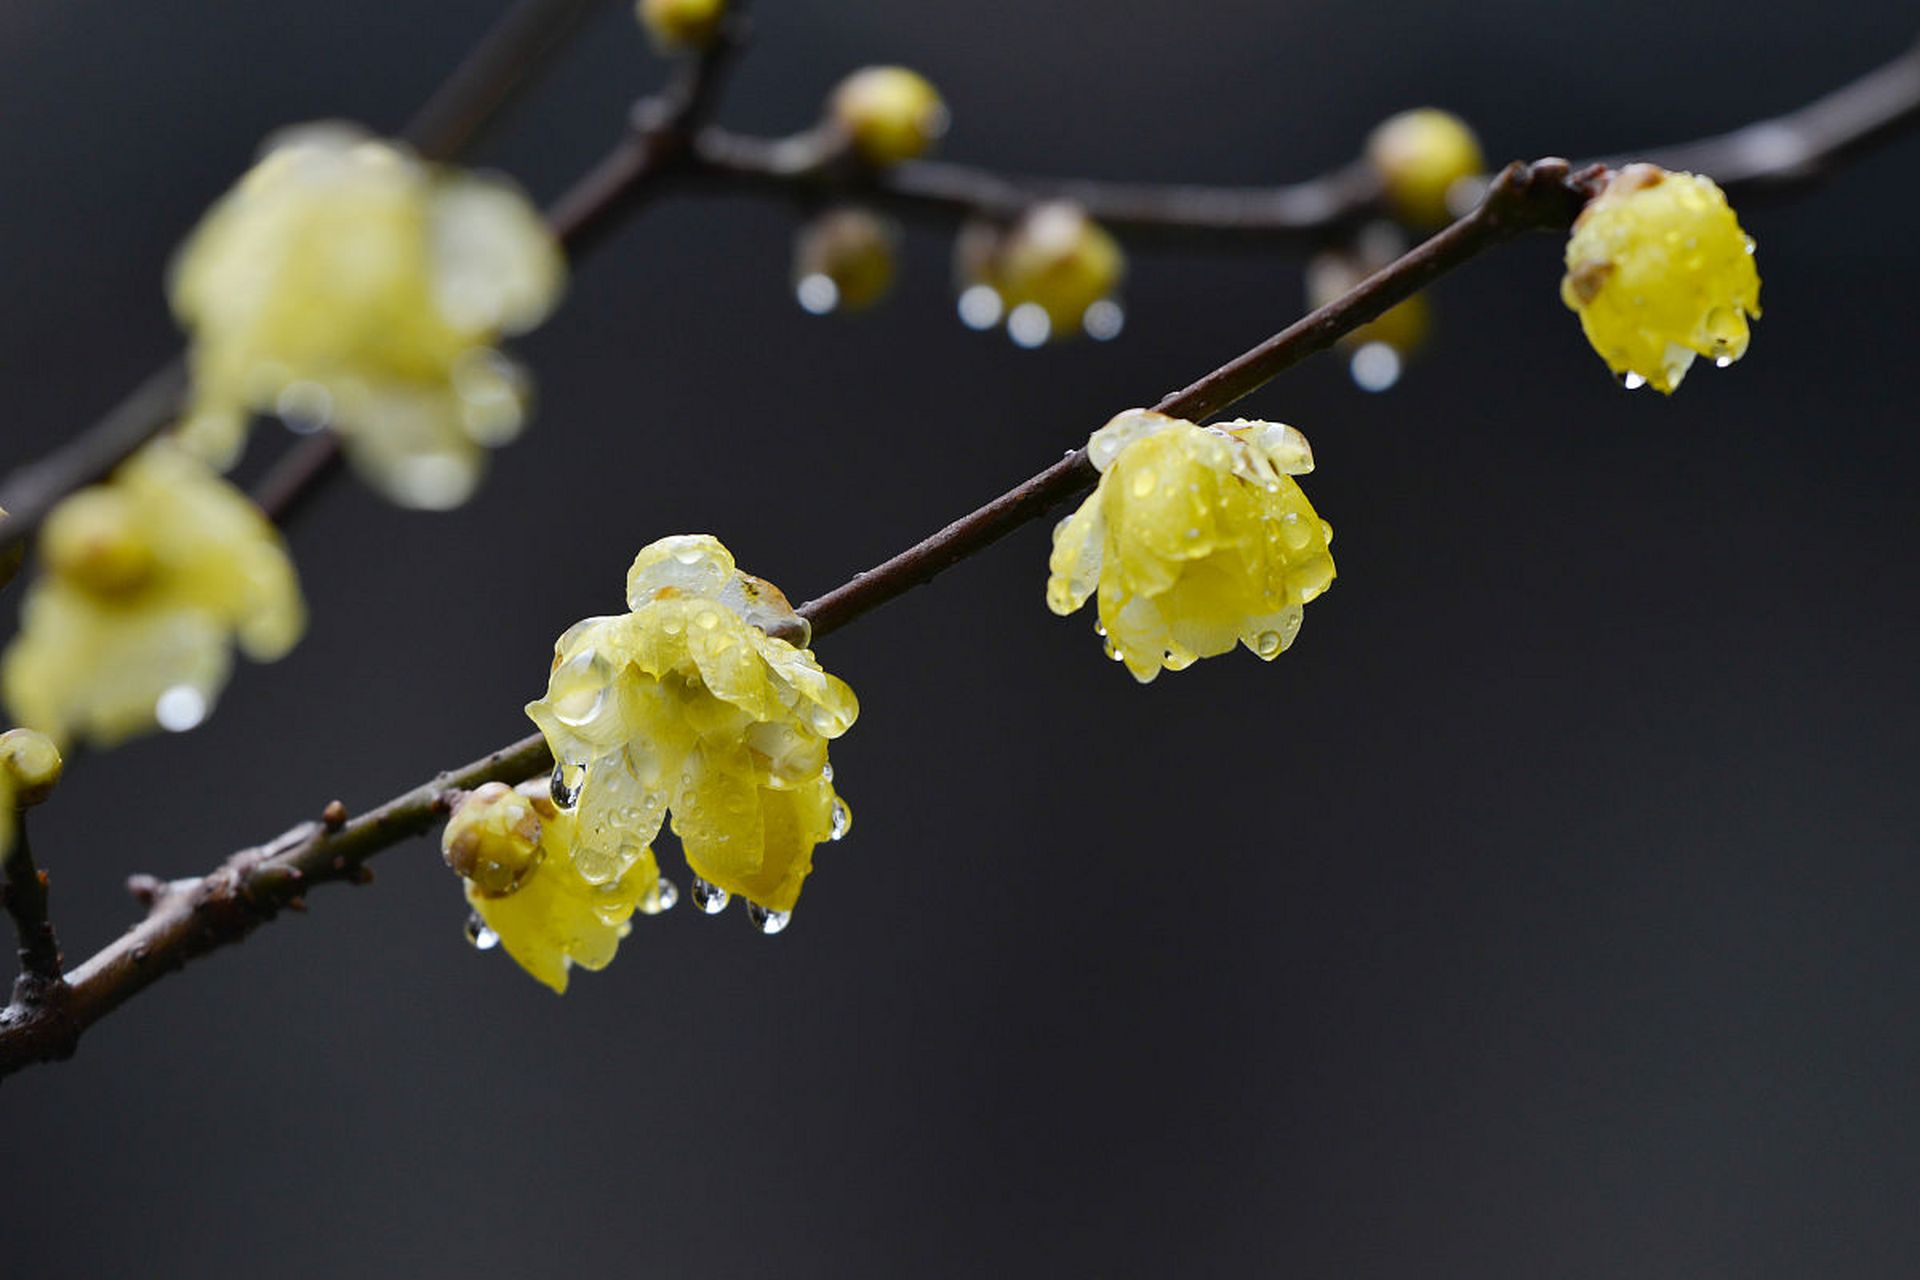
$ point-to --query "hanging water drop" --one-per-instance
(180, 708)
(767, 920)
(826, 772)
(479, 936)
(842, 820)
(980, 306)
(663, 898)
(1633, 382)
(566, 784)
(710, 898)
(1721, 362)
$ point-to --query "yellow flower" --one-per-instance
(1196, 538)
(344, 283)
(150, 579)
(687, 704)
(889, 114)
(512, 849)
(1660, 271)
(1419, 156)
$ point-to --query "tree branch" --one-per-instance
(506, 57)
(189, 918)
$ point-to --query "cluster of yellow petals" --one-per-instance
(345, 283)
(686, 704)
(1422, 156)
(1196, 538)
(149, 581)
(1660, 271)
(514, 849)
(888, 114)
(1046, 271)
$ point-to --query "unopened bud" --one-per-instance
(890, 113)
(33, 764)
(680, 25)
(493, 838)
(843, 259)
(1419, 156)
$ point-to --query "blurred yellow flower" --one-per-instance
(1195, 538)
(687, 704)
(150, 579)
(889, 114)
(540, 909)
(1052, 273)
(1660, 271)
(344, 283)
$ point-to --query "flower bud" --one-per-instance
(94, 541)
(680, 25)
(1060, 261)
(889, 113)
(32, 763)
(1419, 155)
(843, 259)
(493, 838)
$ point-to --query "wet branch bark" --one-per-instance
(189, 918)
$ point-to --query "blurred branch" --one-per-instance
(529, 34)
(189, 918)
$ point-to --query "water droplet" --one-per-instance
(304, 406)
(1721, 362)
(180, 708)
(1029, 326)
(1375, 367)
(481, 937)
(710, 898)
(566, 783)
(767, 920)
(1267, 644)
(1104, 320)
(1633, 381)
(980, 307)
(842, 820)
(826, 772)
(817, 294)
(664, 897)
(1100, 629)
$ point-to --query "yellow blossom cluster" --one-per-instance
(688, 705)
(514, 849)
(1196, 538)
(149, 581)
(1421, 156)
(345, 283)
(1051, 273)
(1660, 271)
(887, 114)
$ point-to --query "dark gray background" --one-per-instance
(1547, 911)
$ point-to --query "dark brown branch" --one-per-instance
(23, 891)
(189, 918)
(529, 34)
(1523, 197)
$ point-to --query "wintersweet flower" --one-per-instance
(690, 704)
(1195, 539)
(1421, 156)
(150, 580)
(512, 850)
(1052, 273)
(1660, 271)
(345, 283)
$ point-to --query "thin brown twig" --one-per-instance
(484, 82)
(23, 892)
(189, 918)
